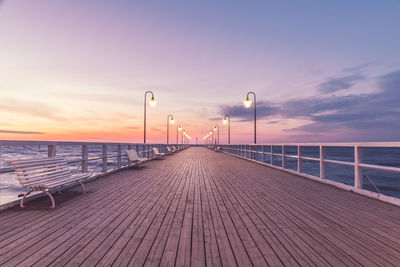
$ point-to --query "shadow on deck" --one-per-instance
(200, 207)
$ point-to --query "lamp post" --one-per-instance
(216, 128)
(178, 128)
(152, 103)
(212, 136)
(227, 119)
(183, 133)
(247, 104)
(170, 118)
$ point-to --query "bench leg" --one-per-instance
(23, 198)
(53, 204)
(83, 187)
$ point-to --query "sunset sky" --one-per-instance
(78, 69)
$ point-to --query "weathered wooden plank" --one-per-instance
(162, 200)
(58, 230)
(203, 208)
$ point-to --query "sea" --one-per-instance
(387, 183)
(9, 185)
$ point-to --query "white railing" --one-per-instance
(267, 154)
(143, 150)
(96, 158)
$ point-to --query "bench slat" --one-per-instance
(56, 183)
(32, 168)
(23, 162)
(46, 178)
(44, 171)
(39, 164)
(39, 175)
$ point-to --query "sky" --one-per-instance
(323, 71)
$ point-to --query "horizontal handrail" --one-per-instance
(259, 152)
(143, 149)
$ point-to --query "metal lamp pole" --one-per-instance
(228, 119)
(152, 103)
(247, 104)
(216, 129)
(170, 118)
(178, 128)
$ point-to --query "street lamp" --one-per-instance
(216, 128)
(247, 104)
(183, 133)
(178, 128)
(170, 118)
(152, 103)
(227, 119)
(205, 138)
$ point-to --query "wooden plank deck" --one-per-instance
(202, 208)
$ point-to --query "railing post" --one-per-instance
(129, 147)
(104, 158)
(263, 153)
(283, 156)
(299, 149)
(321, 162)
(85, 153)
(358, 173)
(272, 155)
(137, 149)
(119, 158)
(51, 150)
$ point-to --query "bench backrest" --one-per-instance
(132, 155)
(155, 151)
(38, 172)
(169, 149)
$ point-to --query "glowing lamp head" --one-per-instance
(172, 120)
(215, 128)
(179, 128)
(225, 120)
(152, 101)
(247, 102)
(210, 132)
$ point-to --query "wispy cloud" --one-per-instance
(155, 129)
(264, 110)
(364, 111)
(377, 113)
(19, 132)
(339, 83)
(31, 109)
(101, 98)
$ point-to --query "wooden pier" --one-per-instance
(202, 208)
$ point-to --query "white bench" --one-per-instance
(158, 154)
(45, 174)
(170, 150)
(134, 159)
